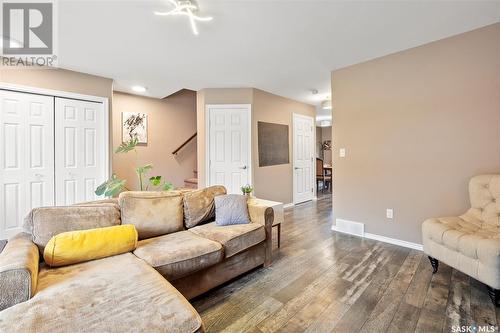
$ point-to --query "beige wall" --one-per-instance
(416, 125)
(171, 121)
(272, 182)
(60, 79)
(275, 182)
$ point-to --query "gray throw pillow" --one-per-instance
(231, 209)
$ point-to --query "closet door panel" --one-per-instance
(26, 157)
(80, 150)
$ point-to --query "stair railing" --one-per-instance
(185, 143)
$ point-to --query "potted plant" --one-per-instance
(114, 185)
(247, 189)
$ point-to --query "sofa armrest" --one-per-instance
(19, 262)
(261, 213)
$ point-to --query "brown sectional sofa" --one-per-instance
(126, 292)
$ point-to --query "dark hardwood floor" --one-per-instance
(322, 281)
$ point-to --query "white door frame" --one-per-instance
(70, 95)
(248, 108)
(313, 149)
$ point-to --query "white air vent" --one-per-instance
(349, 227)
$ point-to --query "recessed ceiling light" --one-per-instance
(326, 105)
(139, 89)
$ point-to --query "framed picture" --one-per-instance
(135, 125)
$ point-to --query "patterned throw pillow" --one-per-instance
(231, 209)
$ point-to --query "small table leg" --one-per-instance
(279, 235)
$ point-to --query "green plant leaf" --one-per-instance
(155, 180)
(143, 169)
(111, 187)
(101, 188)
(115, 188)
(125, 147)
(247, 189)
(167, 186)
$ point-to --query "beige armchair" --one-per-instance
(470, 243)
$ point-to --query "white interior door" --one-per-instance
(229, 146)
(81, 147)
(26, 157)
(303, 159)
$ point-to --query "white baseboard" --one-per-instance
(357, 229)
(288, 205)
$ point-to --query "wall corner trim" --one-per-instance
(394, 241)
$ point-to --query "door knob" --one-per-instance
(296, 168)
(243, 167)
(38, 175)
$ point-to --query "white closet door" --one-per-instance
(26, 157)
(80, 145)
(303, 161)
(229, 147)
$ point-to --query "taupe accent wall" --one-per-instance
(416, 126)
(171, 121)
(271, 182)
(275, 182)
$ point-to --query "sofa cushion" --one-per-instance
(199, 205)
(179, 254)
(464, 234)
(484, 192)
(152, 213)
(234, 238)
(45, 222)
(19, 262)
(83, 245)
(115, 294)
(231, 209)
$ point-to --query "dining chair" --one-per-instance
(321, 175)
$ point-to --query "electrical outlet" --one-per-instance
(342, 152)
(389, 213)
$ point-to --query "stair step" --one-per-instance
(191, 183)
(191, 180)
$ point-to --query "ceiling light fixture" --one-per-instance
(326, 105)
(186, 8)
(139, 89)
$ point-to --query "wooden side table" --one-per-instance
(279, 215)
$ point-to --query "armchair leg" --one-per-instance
(435, 264)
(494, 295)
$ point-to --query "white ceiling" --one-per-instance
(285, 47)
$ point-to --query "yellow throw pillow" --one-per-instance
(83, 245)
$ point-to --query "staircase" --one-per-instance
(192, 182)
